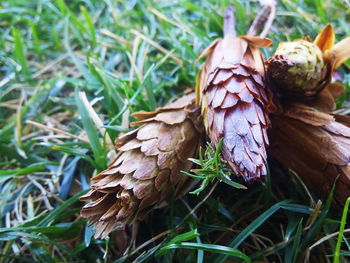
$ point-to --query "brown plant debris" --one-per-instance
(235, 102)
(301, 68)
(147, 171)
(316, 146)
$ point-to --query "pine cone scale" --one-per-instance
(218, 99)
(230, 100)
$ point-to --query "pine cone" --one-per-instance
(235, 103)
(296, 67)
(316, 146)
(302, 69)
(147, 171)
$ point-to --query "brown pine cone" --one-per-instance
(316, 146)
(235, 102)
(147, 171)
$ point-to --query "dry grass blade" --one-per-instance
(55, 130)
(263, 20)
(119, 39)
(157, 46)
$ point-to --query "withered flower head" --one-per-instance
(302, 68)
(234, 101)
(316, 146)
(147, 171)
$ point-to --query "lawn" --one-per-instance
(73, 72)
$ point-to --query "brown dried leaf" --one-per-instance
(258, 41)
(308, 115)
(324, 101)
(317, 153)
(340, 52)
(325, 39)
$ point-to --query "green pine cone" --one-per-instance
(296, 67)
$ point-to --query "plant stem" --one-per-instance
(263, 20)
(229, 22)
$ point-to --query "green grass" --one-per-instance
(55, 56)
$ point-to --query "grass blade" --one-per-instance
(228, 251)
(341, 231)
(19, 52)
(252, 227)
(91, 131)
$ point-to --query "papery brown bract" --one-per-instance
(316, 146)
(147, 171)
(235, 102)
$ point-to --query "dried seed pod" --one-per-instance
(302, 69)
(316, 146)
(235, 103)
(147, 171)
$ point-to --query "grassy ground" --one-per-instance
(65, 66)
